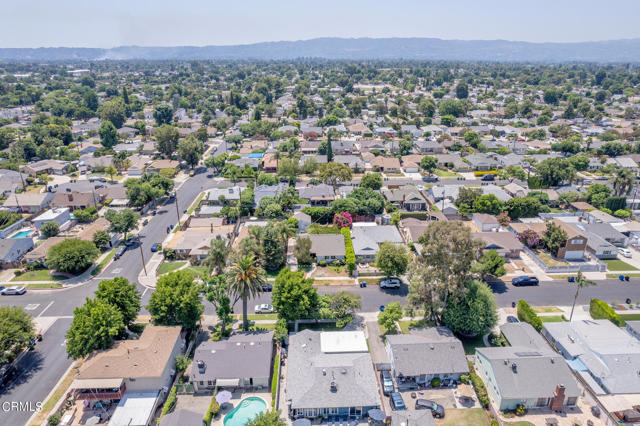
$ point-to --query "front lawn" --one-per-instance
(198, 271)
(618, 265)
(464, 417)
(446, 173)
(546, 309)
(167, 267)
(40, 286)
(616, 276)
(548, 260)
(551, 318)
(628, 317)
(38, 275)
(253, 317)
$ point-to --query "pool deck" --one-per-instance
(238, 396)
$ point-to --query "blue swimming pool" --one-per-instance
(245, 411)
(23, 234)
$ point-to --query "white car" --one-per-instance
(264, 308)
(390, 283)
(10, 291)
(625, 252)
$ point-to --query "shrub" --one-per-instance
(521, 410)
(622, 214)
(527, 314)
(464, 379)
(212, 411)
(350, 255)
(600, 310)
(436, 382)
(54, 419)
(274, 380)
(478, 386)
(170, 402)
(182, 362)
(322, 263)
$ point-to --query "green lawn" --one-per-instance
(632, 275)
(470, 344)
(195, 203)
(445, 173)
(259, 327)
(104, 261)
(406, 325)
(548, 260)
(464, 417)
(38, 275)
(253, 317)
(551, 318)
(629, 317)
(198, 271)
(167, 267)
(618, 265)
(40, 286)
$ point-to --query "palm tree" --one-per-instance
(217, 258)
(581, 282)
(245, 280)
(623, 181)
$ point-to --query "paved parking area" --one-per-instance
(442, 396)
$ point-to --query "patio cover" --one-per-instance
(96, 384)
(227, 382)
(135, 409)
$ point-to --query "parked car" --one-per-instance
(390, 283)
(387, 382)
(430, 179)
(192, 173)
(156, 247)
(7, 372)
(397, 403)
(209, 176)
(513, 319)
(436, 409)
(13, 290)
(489, 177)
(120, 251)
(264, 308)
(625, 252)
(525, 280)
(266, 287)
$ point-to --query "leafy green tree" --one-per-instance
(72, 255)
(473, 312)
(488, 203)
(190, 150)
(554, 171)
(167, 137)
(245, 279)
(122, 221)
(101, 239)
(16, 331)
(554, 238)
(217, 257)
(429, 164)
(94, 326)
(513, 172)
(523, 207)
(294, 297)
(121, 294)
(392, 259)
(462, 91)
(110, 170)
(176, 301)
(216, 292)
(267, 179)
(623, 181)
(50, 229)
(568, 198)
(202, 135)
(342, 304)
(302, 251)
(163, 114)
(451, 107)
(114, 112)
(372, 181)
(388, 317)
(333, 173)
(108, 134)
(491, 263)
(267, 418)
(597, 194)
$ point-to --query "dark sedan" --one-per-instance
(436, 409)
(525, 280)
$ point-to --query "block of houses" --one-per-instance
(243, 360)
(367, 239)
(135, 374)
(28, 203)
(330, 373)
(485, 222)
(527, 372)
(605, 356)
(425, 353)
(327, 247)
(505, 243)
(407, 198)
(50, 167)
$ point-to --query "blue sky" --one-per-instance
(108, 23)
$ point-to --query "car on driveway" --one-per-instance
(390, 283)
(525, 280)
(512, 319)
(387, 382)
(436, 409)
(264, 308)
(156, 247)
(625, 252)
(266, 287)
(14, 290)
(396, 401)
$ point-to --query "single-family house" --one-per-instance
(367, 239)
(505, 243)
(406, 198)
(485, 222)
(49, 167)
(58, 215)
(386, 164)
(12, 250)
(28, 203)
(428, 147)
(317, 195)
(327, 247)
(479, 161)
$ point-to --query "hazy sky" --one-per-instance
(108, 23)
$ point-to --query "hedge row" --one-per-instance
(274, 381)
(485, 172)
(414, 215)
(600, 310)
(212, 411)
(478, 386)
(527, 314)
(349, 253)
(169, 403)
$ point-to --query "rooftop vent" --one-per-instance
(324, 372)
(344, 371)
(334, 387)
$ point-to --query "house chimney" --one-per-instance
(557, 401)
(70, 197)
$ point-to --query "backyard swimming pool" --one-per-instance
(245, 411)
(23, 234)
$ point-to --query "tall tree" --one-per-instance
(121, 294)
(581, 282)
(245, 280)
(108, 134)
(216, 291)
(94, 326)
(217, 257)
(392, 259)
(16, 331)
(190, 150)
(122, 221)
(623, 181)
(176, 301)
(473, 312)
(72, 255)
(167, 137)
(293, 296)
(163, 114)
(554, 238)
(113, 111)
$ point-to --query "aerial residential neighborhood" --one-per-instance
(342, 231)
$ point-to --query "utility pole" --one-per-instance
(144, 266)
(177, 209)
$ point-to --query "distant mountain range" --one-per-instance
(625, 51)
